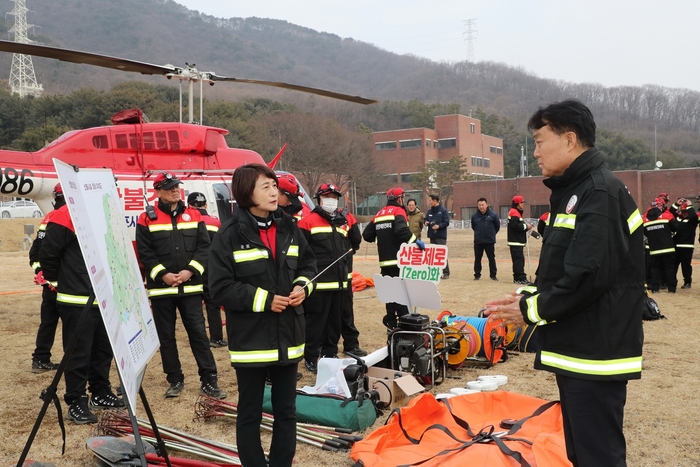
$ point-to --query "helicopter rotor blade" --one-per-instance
(75, 56)
(296, 87)
(123, 64)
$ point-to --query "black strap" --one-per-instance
(50, 393)
(485, 435)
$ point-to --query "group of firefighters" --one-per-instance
(670, 240)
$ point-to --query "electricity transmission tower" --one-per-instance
(22, 77)
(470, 37)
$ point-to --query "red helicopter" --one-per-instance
(135, 149)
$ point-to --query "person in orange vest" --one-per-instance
(173, 245)
(45, 335)
(198, 201)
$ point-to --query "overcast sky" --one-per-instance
(611, 42)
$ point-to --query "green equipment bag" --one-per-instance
(329, 410)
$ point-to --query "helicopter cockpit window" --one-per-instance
(161, 141)
(132, 140)
(148, 142)
(174, 140)
(224, 200)
(122, 141)
(100, 141)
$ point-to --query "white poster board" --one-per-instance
(98, 219)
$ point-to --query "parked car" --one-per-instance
(20, 209)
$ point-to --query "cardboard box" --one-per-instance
(400, 386)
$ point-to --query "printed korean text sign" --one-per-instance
(418, 264)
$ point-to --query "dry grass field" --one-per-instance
(661, 422)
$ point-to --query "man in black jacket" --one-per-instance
(684, 239)
(173, 245)
(438, 220)
(588, 299)
(485, 224)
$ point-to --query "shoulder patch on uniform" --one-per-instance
(570, 205)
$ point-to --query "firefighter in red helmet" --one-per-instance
(389, 228)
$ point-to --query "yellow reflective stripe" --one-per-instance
(548, 219)
(328, 285)
(350, 276)
(342, 232)
(528, 289)
(41, 227)
(160, 227)
(154, 272)
(532, 312)
(73, 299)
(656, 221)
(387, 218)
(198, 266)
(618, 366)
(634, 221)
(681, 245)
(412, 239)
(212, 228)
(254, 356)
(163, 291)
(54, 284)
(307, 283)
(295, 352)
(515, 244)
(661, 252)
(293, 250)
(318, 230)
(187, 225)
(241, 256)
(259, 300)
(36, 265)
(565, 221)
(391, 262)
(193, 288)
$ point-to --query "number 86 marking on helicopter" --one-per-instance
(11, 181)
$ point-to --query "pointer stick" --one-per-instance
(326, 269)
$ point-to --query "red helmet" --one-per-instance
(327, 189)
(395, 193)
(288, 185)
(518, 199)
(664, 196)
(57, 190)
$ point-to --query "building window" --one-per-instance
(385, 146)
(487, 162)
(427, 143)
(410, 143)
(447, 143)
(407, 178)
(472, 127)
(100, 142)
(392, 178)
(536, 210)
(499, 150)
(479, 162)
(492, 149)
(474, 160)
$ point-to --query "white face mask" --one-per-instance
(329, 204)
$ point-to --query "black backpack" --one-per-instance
(651, 310)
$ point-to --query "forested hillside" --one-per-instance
(410, 89)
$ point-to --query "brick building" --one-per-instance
(401, 153)
(644, 185)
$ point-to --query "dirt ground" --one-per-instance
(661, 422)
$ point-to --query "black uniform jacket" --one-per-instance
(390, 229)
(244, 277)
(62, 261)
(589, 294)
(173, 242)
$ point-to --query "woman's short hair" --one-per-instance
(243, 182)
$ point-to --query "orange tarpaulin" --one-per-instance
(466, 430)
